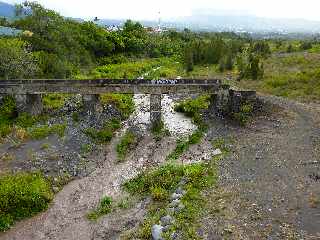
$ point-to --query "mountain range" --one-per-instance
(212, 20)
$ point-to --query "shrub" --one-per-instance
(122, 102)
(244, 115)
(105, 207)
(127, 142)
(22, 195)
(41, 132)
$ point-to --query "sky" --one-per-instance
(149, 9)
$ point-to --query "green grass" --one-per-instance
(193, 108)
(105, 207)
(22, 195)
(183, 145)
(122, 102)
(54, 101)
(126, 144)
(105, 134)
(159, 131)
(161, 182)
(41, 132)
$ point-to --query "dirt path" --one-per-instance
(270, 186)
(66, 219)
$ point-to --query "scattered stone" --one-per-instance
(217, 152)
(175, 203)
(166, 220)
(174, 235)
(156, 232)
(179, 208)
(180, 191)
(175, 196)
(183, 182)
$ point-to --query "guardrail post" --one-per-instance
(155, 108)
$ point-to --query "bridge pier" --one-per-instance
(155, 108)
(30, 103)
(91, 103)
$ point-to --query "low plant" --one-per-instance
(244, 115)
(105, 134)
(122, 102)
(127, 143)
(22, 195)
(105, 207)
(41, 132)
(160, 183)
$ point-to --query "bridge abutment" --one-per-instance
(155, 108)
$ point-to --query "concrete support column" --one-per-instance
(21, 102)
(34, 104)
(30, 103)
(155, 108)
(91, 103)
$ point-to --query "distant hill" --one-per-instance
(212, 20)
(7, 10)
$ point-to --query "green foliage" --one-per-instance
(54, 101)
(15, 60)
(244, 115)
(161, 182)
(159, 131)
(123, 102)
(41, 132)
(75, 117)
(250, 66)
(183, 145)
(105, 207)
(193, 108)
(127, 70)
(261, 48)
(22, 195)
(105, 134)
(7, 114)
(126, 144)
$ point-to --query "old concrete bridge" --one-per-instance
(28, 92)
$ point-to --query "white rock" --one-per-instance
(156, 232)
(217, 152)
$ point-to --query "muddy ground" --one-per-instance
(269, 185)
(268, 188)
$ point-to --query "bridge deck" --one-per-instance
(98, 86)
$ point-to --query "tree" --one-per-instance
(16, 61)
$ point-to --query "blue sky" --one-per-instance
(148, 9)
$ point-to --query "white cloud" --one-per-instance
(141, 9)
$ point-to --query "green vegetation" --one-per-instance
(123, 103)
(159, 131)
(105, 134)
(160, 183)
(41, 132)
(22, 195)
(183, 145)
(54, 101)
(126, 144)
(105, 207)
(194, 107)
(245, 114)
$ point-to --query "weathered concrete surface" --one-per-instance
(100, 86)
(91, 104)
(30, 103)
(155, 108)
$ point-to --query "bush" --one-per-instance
(244, 115)
(105, 207)
(105, 134)
(127, 142)
(122, 102)
(22, 195)
(41, 132)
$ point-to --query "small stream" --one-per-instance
(177, 123)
